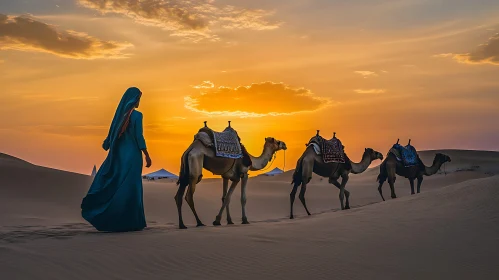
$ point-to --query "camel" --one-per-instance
(310, 163)
(391, 167)
(200, 155)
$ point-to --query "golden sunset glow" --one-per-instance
(371, 71)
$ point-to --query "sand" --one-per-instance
(449, 231)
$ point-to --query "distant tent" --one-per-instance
(94, 171)
(160, 174)
(274, 172)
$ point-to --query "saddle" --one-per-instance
(227, 144)
(407, 155)
(332, 150)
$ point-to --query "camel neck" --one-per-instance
(362, 165)
(433, 169)
(260, 162)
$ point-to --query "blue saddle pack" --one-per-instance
(406, 154)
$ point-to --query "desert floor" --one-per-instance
(448, 231)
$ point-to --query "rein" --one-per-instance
(274, 157)
(445, 172)
(284, 165)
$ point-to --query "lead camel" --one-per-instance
(391, 166)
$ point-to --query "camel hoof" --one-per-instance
(182, 227)
(245, 222)
(291, 217)
(394, 196)
(230, 222)
(217, 223)
(201, 225)
(309, 214)
(347, 207)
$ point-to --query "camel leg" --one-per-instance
(225, 188)
(178, 201)
(344, 180)
(380, 190)
(411, 181)
(420, 180)
(307, 169)
(243, 198)
(292, 196)
(391, 182)
(226, 202)
(390, 170)
(190, 200)
(302, 196)
(347, 193)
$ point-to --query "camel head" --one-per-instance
(439, 157)
(374, 155)
(275, 144)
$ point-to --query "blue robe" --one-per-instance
(114, 201)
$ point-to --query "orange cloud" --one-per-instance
(205, 84)
(27, 34)
(366, 74)
(370, 91)
(255, 100)
(487, 53)
(193, 20)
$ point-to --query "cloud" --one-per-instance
(236, 18)
(205, 84)
(370, 91)
(24, 33)
(193, 20)
(444, 55)
(255, 100)
(366, 74)
(487, 53)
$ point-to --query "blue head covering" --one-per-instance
(122, 116)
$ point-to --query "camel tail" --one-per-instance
(183, 178)
(297, 174)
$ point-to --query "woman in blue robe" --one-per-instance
(114, 201)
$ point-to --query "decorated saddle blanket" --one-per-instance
(227, 144)
(331, 150)
(407, 155)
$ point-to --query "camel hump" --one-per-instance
(205, 138)
(206, 130)
(206, 135)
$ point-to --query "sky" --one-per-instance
(372, 71)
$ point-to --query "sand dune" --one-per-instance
(449, 231)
